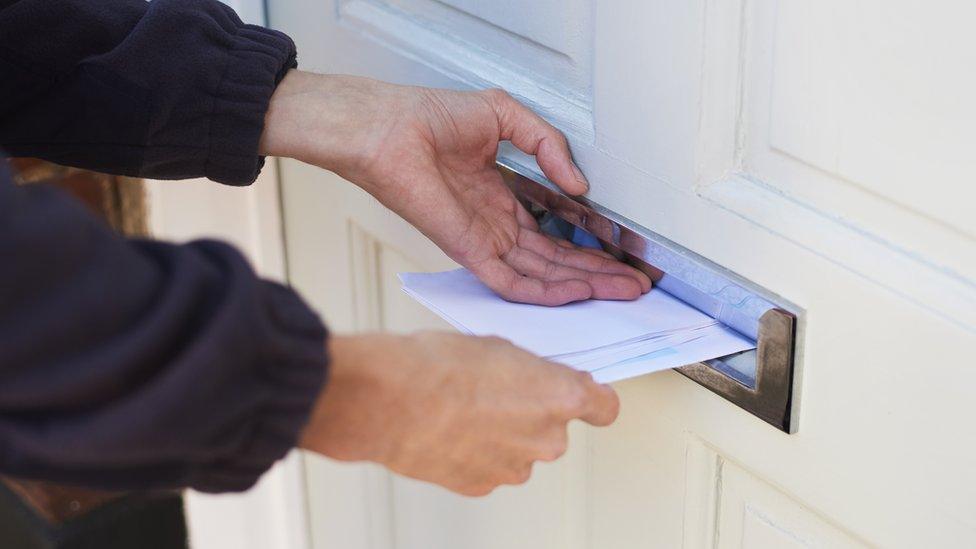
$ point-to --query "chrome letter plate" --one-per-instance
(759, 381)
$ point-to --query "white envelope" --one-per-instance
(613, 339)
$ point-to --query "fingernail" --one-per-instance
(581, 179)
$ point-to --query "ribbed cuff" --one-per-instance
(292, 369)
(258, 59)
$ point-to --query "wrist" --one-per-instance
(331, 121)
(342, 422)
(282, 125)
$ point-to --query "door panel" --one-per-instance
(846, 140)
(786, 141)
(755, 515)
(728, 506)
(855, 106)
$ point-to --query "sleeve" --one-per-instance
(128, 364)
(168, 89)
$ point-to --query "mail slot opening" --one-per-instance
(760, 380)
(740, 366)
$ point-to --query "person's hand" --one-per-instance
(429, 155)
(467, 413)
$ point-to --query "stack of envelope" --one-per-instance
(613, 340)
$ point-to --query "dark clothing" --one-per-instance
(128, 364)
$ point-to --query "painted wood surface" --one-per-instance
(820, 149)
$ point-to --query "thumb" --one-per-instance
(602, 403)
(533, 135)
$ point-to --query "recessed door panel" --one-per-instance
(878, 95)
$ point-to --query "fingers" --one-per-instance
(512, 475)
(512, 286)
(533, 135)
(581, 258)
(602, 285)
(542, 272)
(562, 243)
(525, 219)
(553, 446)
(532, 425)
(592, 251)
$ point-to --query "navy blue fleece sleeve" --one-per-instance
(131, 364)
(168, 89)
(128, 364)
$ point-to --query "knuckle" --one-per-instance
(554, 451)
(559, 449)
(477, 490)
(551, 271)
(583, 377)
(509, 290)
(494, 340)
(518, 476)
(574, 400)
(431, 337)
(560, 138)
(581, 389)
(560, 252)
(608, 412)
(615, 408)
(497, 94)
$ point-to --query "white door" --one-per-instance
(824, 150)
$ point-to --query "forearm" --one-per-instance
(134, 364)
